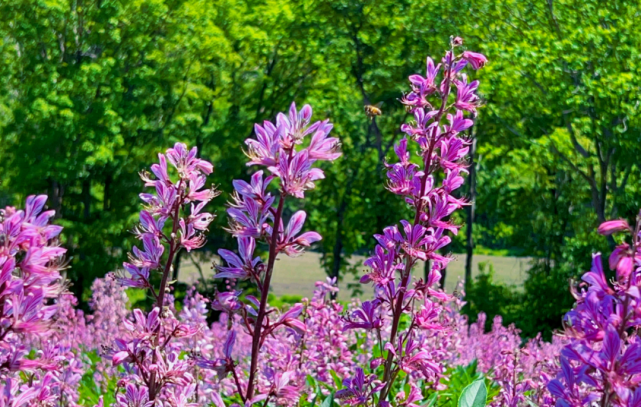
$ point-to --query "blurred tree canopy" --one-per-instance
(92, 90)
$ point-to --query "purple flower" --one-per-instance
(458, 122)
(227, 301)
(365, 317)
(290, 318)
(291, 244)
(297, 174)
(134, 396)
(414, 240)
(596, 278)
(139, 276)
(384, 265)
(150, 256)
(264, 150)
(255, 190)
(248, 217)
(466, 98)
(322, 147)
(243, 267)
(422, 86)
(411, 399)
(359, 388)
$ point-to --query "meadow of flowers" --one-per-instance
(408, 346)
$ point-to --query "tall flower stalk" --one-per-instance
(440, 147)
(172, 219)
(257, 216)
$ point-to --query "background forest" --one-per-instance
(92, 89)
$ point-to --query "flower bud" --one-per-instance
(120, 357)
(375, 363)
(475, 59)
(613, 226)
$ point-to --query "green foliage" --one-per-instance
(546, 299)
(537, 307)
(457, 382)
(89, 389)
(474, 395)
(283, 300)
(329, 401)
(493, 298)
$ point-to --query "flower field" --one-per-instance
(409, 345)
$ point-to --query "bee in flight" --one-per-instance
(373, 110)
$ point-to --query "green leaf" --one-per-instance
(329, 401)
(474, 395)
(337, 381)
(432, 400)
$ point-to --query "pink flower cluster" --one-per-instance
(521, 370)
(255, 217)
(602, 361)
(173, 219)
(32, 306)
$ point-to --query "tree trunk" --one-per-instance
(443, 271)
(176, 265)
(427, 265)
(470, 216)
(107, 195)
(338, 244)
(340, 217)
(56, 192)
(86, 199)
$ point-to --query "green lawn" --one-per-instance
(296, 276)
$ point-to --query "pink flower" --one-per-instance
(475, 59)
(322, 147)
(290, 243)
(466, 98)
(613, 226)
(297, 174)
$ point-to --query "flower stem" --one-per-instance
(409, 261)
(258, 326)
(173, 249)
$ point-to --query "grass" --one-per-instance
(297, 276)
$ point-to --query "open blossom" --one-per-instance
(359, 388)
(243, 267)
(466, 98)
(365, 317)
(290, 241)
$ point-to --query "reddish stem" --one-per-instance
(397, 309)
(258, 326)
(174, 246)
